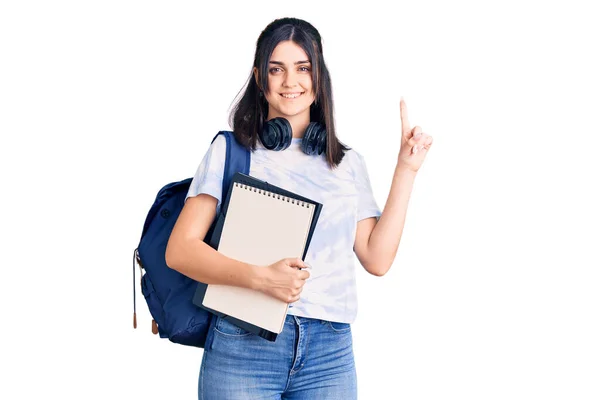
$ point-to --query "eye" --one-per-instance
(274, 69)
(306, 69)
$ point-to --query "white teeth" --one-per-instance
(291, 96)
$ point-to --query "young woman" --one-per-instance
(312, 358)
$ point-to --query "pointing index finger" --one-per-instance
(404, 118)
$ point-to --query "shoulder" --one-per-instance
(214, 157)
(354, 161)
(219, 144)
(216, 151)
(352, 155)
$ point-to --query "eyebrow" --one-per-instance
(296, 63)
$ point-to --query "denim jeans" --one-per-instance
(310, 359)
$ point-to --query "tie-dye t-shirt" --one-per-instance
(345, 192)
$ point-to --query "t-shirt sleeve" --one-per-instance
(209, 175)
(367, 206)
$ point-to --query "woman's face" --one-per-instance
(290, 82)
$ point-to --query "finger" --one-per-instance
(416, 132)
(303, 274)
(404, 119)
(428, 143)
(295, 262)
(416, 148)
(298, 284)
(418, 141)
(292, 299)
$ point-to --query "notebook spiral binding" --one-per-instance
(274, 195)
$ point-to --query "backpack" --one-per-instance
(169, 293)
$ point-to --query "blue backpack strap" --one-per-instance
(237, 159)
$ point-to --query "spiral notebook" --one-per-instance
(259, 224)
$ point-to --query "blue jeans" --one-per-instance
(310, 359)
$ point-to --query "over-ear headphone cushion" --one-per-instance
(315, 139)
(277, 134)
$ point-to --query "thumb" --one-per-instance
(296, 262)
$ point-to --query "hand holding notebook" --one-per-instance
(260, 224)
(285, 278)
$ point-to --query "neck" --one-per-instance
(299, 123)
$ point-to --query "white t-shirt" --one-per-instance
(345, 192)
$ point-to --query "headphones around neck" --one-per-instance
(277, 135)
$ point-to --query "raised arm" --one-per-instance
(377, 241)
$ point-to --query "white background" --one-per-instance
(494, 293)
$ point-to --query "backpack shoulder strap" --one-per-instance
(237, 159)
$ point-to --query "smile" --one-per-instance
(291, 95)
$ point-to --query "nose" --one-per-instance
(290, 80)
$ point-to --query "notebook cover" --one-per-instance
(215, 238)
